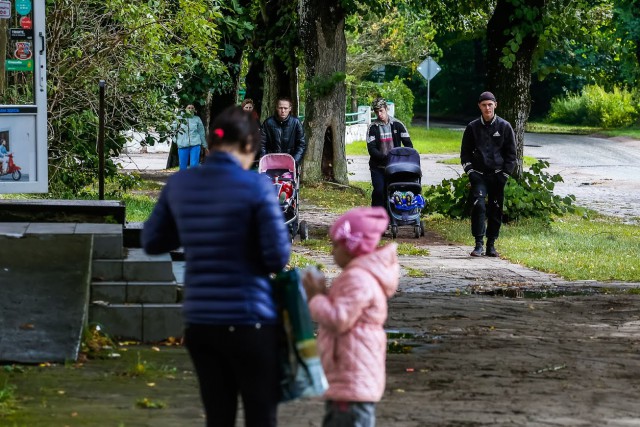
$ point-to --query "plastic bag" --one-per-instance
(302, 374)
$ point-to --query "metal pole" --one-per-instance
(101, 143)
(428, 89)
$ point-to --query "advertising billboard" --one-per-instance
(23, 97)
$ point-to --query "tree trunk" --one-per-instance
(219, 101)
(254, 82)
(325, 55)
(354, 98)
(511, 85)
(278, 49)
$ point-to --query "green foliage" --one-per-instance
(529, 197)
(146, 52)
(321, 86)
(449, 198)
(595, 106)
(395, 91)
(399, 34)
(532, 195)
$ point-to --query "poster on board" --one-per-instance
(23, 97)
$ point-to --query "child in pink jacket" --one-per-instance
(351, 314)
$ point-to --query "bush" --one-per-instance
(395, 91)
(528, 197)
(596, 107)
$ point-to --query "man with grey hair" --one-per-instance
(488, 156)
(383, 134)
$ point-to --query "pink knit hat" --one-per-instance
(360, 229)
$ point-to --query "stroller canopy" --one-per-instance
(403, 159)
(278, 161)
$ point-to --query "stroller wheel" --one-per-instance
(422, 228)
(303, 230)
(394, 231)
(416, 231)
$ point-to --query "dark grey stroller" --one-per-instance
(403, 189)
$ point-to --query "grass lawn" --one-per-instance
(539, 127)
(600, 248)
(432, 141)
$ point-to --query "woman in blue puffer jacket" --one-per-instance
(232, 230)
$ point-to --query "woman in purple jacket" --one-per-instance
(232, 230)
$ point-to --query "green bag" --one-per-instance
(301, 371)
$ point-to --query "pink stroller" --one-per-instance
(281, 168)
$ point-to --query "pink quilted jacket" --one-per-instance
(351, 338)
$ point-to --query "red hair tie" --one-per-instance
(219, 132)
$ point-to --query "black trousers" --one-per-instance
(487, 196)
(378, 197)
(232, 360)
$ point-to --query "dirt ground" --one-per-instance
(473, 342)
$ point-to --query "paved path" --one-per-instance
(479, 351)
(603, 173)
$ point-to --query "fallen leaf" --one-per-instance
(151, 384)
(27, 326)
(154, 348)
(409, 369)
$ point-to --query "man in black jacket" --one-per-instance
(383, 134)
(283, 133)
(488, 156)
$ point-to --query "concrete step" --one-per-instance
(131, 234)
(141, 322)
(137, 266)
(122, 292)
(107, 238)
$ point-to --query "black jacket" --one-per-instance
(488, 147)
(283, 137)
(400, 137)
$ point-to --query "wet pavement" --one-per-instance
(484, 342)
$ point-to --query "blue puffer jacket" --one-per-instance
(232, 230)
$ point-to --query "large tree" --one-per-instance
(325, 49)
(512, 39)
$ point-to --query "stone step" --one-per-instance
(131, 234)
(61, 211)
(137, 266)
(122, 292)
(107, 238)
(140, 322)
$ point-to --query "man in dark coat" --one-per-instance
(488, 156)
(283, 133)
